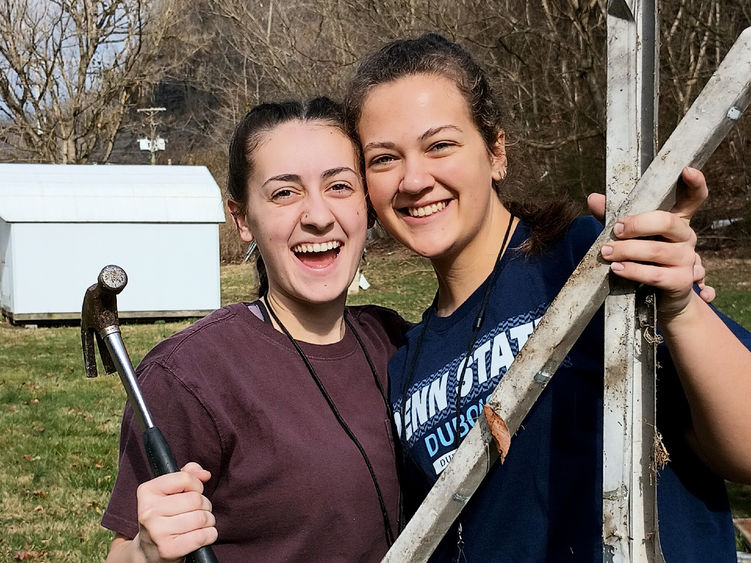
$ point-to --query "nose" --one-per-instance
(317, 213)
(416, 176)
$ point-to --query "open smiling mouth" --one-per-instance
(424, 211)
(317, 255)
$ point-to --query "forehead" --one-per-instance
(298, 147)
(414, 100)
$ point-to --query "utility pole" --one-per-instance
(153, 143)
(629, 474)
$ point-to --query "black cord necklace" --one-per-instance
(476, 325)
(388, 530)
(479, 318)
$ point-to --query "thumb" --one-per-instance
(196, 471)
(691, 192)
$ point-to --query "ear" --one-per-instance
(498, 160)
(241, 221)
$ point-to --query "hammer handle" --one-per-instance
(201, 555)
(158, 452)
(162, 461)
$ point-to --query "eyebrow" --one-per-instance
(378, 145)
(334, 171)
(426, 135)
(433, 130)
(296, 178)
(283, 178)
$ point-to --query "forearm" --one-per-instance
(715, 371)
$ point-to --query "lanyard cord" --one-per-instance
(386, 521)
(475, 331)
(479, 319)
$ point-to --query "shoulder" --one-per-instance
(576, 240)
(582, 232)
(212, 332)
(568, 248)
(382, 322)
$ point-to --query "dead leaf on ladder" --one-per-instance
(499, 430)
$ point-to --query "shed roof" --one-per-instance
(65, 193)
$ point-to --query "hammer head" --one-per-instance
(99, 317)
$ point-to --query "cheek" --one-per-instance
(380, 191)
(352, 216)
(452, 171)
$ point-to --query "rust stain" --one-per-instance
(499, 430)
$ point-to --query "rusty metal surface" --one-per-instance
(99, 315)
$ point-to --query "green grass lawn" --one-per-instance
(732, 280)
(59, 430)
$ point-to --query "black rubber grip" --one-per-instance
(201, 555)
(158, 453)
(161, 462)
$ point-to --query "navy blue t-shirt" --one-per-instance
(544, 502)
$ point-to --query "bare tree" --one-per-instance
(546, 59)
(68, 70)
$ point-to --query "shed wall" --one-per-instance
(170, 267)
(6, 268)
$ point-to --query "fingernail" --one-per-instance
(618, 229)
(617, 267)
(606, 251)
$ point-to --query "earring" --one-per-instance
(503, 174)
(251, 249)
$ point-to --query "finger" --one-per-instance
(194, 469)
(673, 281)
(691, 192)
(655, 223)
(699, 270)
(596, 204)
(190, 541)
(655, 252)
(186, 522)
(172, 483)
(171, 505)
(174, 546)
(707, 293)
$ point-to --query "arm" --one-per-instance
(712, 363)
(174, 519)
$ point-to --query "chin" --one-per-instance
(429, 249)
(319, 294)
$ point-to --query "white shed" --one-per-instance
(60, 224)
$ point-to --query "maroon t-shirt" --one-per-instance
(231, 393)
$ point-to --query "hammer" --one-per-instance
(100, 323)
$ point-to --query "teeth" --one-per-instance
(427, 210)
(317, 246)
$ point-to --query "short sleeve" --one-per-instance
(186, 424)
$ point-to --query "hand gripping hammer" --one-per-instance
(99, 321)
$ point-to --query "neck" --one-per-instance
(309, 322)
(459, 275)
